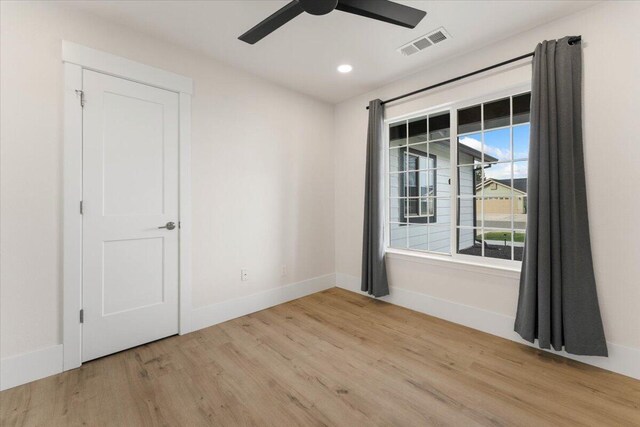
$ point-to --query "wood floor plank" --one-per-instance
(334, 358)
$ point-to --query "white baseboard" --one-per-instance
(217, 313)
(24, 368)
(27, 367)
(623, 360)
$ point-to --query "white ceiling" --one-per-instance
(303, 54)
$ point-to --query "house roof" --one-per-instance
(519, 184)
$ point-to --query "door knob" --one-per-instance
(169, 226)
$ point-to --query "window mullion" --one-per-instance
(482, 177)
(512, 178)
(406, 183)
(427, 183)
(453, 180)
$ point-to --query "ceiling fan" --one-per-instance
(382, 10)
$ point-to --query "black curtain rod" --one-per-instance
(572, 40)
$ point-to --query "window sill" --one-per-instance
(447, 261)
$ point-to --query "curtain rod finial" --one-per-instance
(575, 39)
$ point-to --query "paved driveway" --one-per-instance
(504, 221)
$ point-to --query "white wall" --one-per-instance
(612, 155)
(261, 164)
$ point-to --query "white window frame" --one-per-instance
(452, 108)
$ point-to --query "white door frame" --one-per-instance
(76, 58)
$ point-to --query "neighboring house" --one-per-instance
(497, 194)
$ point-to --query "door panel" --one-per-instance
(133, 156)
(132, 274)
(130, 188)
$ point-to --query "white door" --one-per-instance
(130, 190)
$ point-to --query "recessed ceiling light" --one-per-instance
(345, 68)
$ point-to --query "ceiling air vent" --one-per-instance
(424, 42)
(409, 50)
(437, 36)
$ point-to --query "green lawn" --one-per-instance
(499, 235)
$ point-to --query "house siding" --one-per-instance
(436, 236)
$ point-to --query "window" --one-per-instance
(419, 183)
(483, 150)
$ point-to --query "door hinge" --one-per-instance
(82, 315)
(81, 207)
(81, 95)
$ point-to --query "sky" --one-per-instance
(497, 145)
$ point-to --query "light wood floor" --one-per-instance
(332, 358)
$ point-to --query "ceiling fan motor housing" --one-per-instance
(318, 7)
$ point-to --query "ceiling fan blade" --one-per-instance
(272, 23)
(383, 10)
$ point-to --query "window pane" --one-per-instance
(397, 159)
(398, 134)
(413, 184)
(398, 236)
(417, 130)
(426, 183)
(412, 207)
(469, 241)
(469, 149)
(497, 243)
(440, 152)
(397, 209)
(520, 212)
(496, 114)
(497, 180)
(425, 212)
(521, 142)
(518, 244)
(418, 237)
(432, 183)
(413, 162)
(418, 157)
(442, 207)
(496, 212)
(521, 108)
(439, 125)
(520, 172)
(469, 211)
(424, 163)
(497, 145)
(520, 182)
(469, 180)
(439, 238)
(424, 207)
(397, 185)
(469, 119)
(428, 206)
(439, 183)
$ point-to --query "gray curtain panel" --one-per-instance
(374, 271)
(558, 303)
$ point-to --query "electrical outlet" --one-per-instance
(284, 271)
(244, 275)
